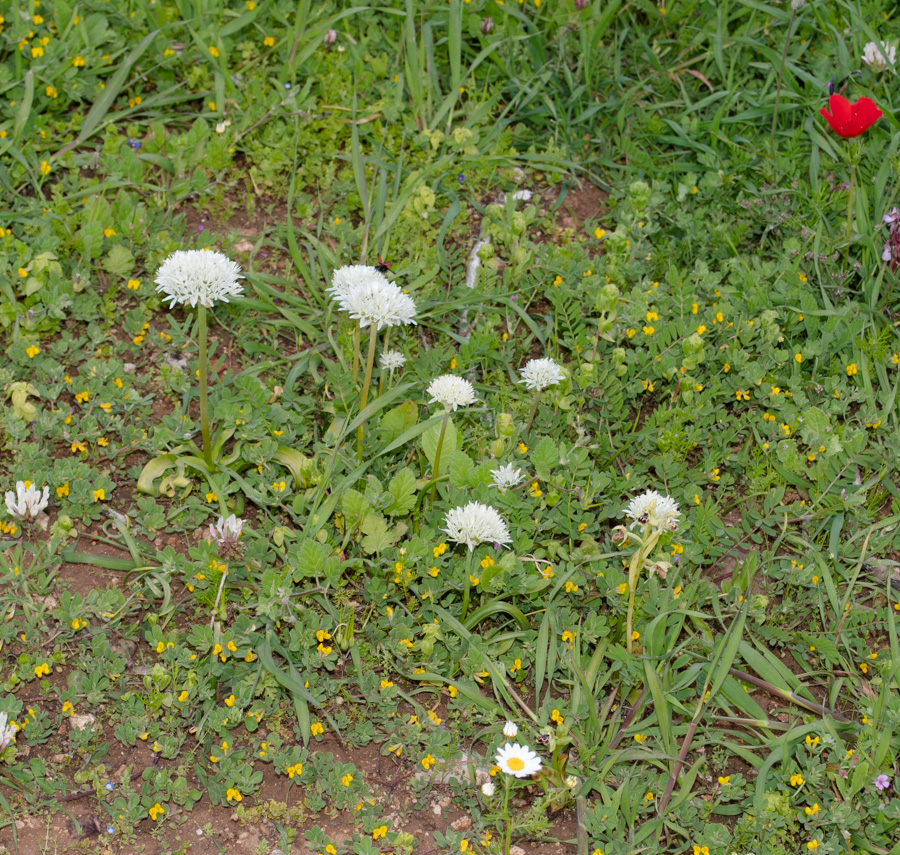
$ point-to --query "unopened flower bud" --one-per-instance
(505, 426)
(581, 5)
(487, 25)
(796, 5)
(330, 37)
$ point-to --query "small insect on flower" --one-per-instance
(652, 509)
(383, 266)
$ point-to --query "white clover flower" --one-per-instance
(371, 299)
(198, 276)
(7, 731)
(571, 782)
(476, 523)
(451, 391)
(510, 729)
(878, 55)
(651, 509)
(518, 760)
(27, 502)
(506, 477)
(345, 279)
(538, 374)
(391, 360)
(487, 789)
(226, 533)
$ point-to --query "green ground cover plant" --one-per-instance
(577, 519)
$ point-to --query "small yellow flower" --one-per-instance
(347, 780)
(234, 795)
(428, 761)
(464, 844)
(623, 588)
(269, 41)
(812, 811)
(229, 701)
(439, 550)
(726, 367)
(316, 729)
(379, 832)
(640, 738)
(851, 369)
(702, 329)
(648, 330)
(649, 797)
(32, 351)
(99, 495)
(700, 850)
(214, 51)
(797, 780)
(798, 358)
(386, 684)
(156, 811)
(46, 168)
(67, 708)
(78, 623)
(812, 740)
(522, 448)
(812, 845)
(599, 233)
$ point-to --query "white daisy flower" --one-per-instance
(487, 789)
(476, 523)
(506, 477)
(346, 278)
(373, 300)
(391, 360)
(27, 502)
(877, 55)
(651, 509)
(451, 391)
(510, 729)
(7, 731)
(198, 276)
(538, 374)
(518, 760)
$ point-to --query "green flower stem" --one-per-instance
(370, 361)
(204, 382)
(509, 825)
(384, 347)
(354, 370)
(850, 204)
(634, 573)
(537, 398)
(437, 456)
(467, 585)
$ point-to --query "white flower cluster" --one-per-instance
(451, 391)
(538, 374)
(878, 55)
(7, 731)
(369, 297)
(226, 533)
(506, 477)
(27, 502)
(651, 509)
(199, 276)
(476, 523)
(391, 360)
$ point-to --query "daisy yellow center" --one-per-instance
(516, 764)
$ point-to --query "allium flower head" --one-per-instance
(345, 279)
(651, 509)
(878, 55)
(198, 276)
(476, 523)
(27, 502)
(518, 760)
(538, 374)
(392, 360)
(368, 296)
(505, 477)
(451, 391)
(7, 731)
(510, 729)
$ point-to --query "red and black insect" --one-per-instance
(382, 266)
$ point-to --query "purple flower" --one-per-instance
(886, 254)
(882, 782)
(135, 144)
(892, 216)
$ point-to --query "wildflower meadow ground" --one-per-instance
(464, 427)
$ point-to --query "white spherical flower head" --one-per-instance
(487, 789)
(878, 55)
(518, 760)
(510, 729)
(27, 502)
(391, 360)
(198, 276)
(538, 374)
(451, 392)
(651, 509)
(506, 477)
(345, 279)
(378, 303)
(476, 523)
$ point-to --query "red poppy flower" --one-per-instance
(850, 120)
